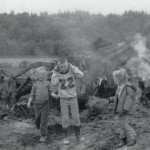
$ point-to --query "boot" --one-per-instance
(66, 140)
(77, 133)
(131, 142)
(122, 143)
(131, 138)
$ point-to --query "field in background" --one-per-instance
(14, 65)
(16, 61)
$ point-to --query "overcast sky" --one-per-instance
(93, 6)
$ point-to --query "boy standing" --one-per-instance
(41, 94)
(64, 77)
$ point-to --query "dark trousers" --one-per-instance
(41, 117)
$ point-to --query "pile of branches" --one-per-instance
(97, 108)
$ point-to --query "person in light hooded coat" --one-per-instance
(124, 107)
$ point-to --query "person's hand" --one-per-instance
(70, 67)
(57, 69)
(111, 100)
(28, 105)
(55, 95)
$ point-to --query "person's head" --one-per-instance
(63, 65)
(41, 75)
(120, 76)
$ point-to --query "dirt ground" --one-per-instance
(21, 134)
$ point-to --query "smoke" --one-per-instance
(144, 70)
(139, 45)
(138, 65)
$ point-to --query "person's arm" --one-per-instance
(32, 95)
(55, 83)
(75, 70)
(115, 100)
(55, 78)
(50, 89)
(29, 102)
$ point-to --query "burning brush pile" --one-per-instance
(140, 68)
(140, 65)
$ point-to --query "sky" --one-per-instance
(93, 6)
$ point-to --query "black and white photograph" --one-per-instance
(74, 75)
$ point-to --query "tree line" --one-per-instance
(25, 34)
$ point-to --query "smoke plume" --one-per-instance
(138, 65)
(139, 45)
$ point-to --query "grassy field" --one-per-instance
(16, 61)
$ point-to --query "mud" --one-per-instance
(21, 134)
